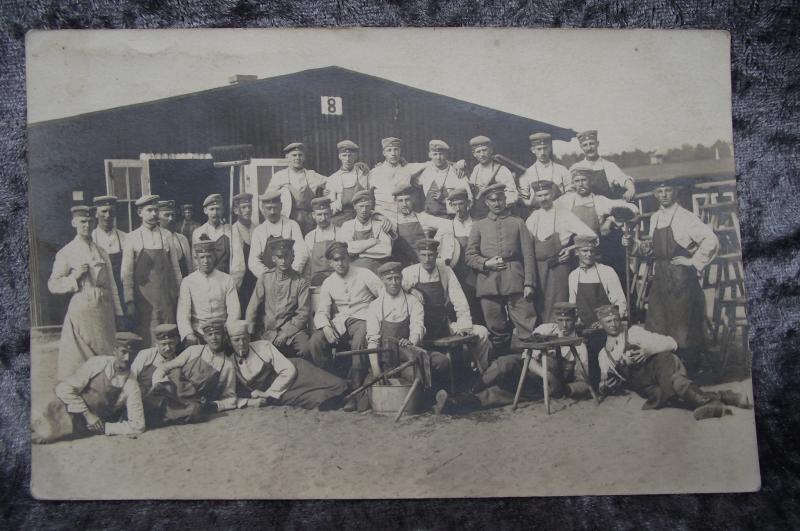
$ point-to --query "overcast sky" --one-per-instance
(639, 88)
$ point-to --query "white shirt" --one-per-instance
(69, 391)
(447, 178)
(689, 232)
(224, 391)
(299, 180)
(284, 228)
(552, 329)
(384, 177)
(348, 230)
(614, 175)
(213, 233)
(481, 175)
(551, 171)
(449, 247)
(350, 295)
(543, 223)
(395, 310)
(321, 235)
(264, 353)
(415, 274)
(110, 242)
(602, 204)
(145, 358)
(204, 298)
(607, 277)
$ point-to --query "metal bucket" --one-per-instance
(387, 399)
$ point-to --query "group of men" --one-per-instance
(400, 255)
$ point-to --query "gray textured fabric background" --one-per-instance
(766, 111)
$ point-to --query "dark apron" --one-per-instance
(301, 207)
(183, 263)
(587, 214)
(266, 254)
(170, 402)
(468, 278)
(318, 269)
(311, 386)
(362, 261)
(676, 303)
(155, 291)
(222, 250)
(202, 376)
(438, 309)
(348, 211)
(407, 235)
(437, 207)
(249, 280)
(553, 277)
(598, 183)
(101, 397)
(116, 269)
(390, 333)
(479, 209)
(589, 297)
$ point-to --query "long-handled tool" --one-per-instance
(628, 218)
(235, 158)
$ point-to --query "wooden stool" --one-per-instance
(450, 345)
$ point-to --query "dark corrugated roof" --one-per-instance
(329, 73)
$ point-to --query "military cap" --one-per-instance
(320, 203)
(543, 184)
(584, 242)
(105, 200)
(565, 309)
(580, 170)
(676, 182)
(81, 211)
(187, 206)
(540, 139)
(391, 142)
(127, 339)
(426, 244)
(213, 199)
(204, 246)
(244, 197)
(458, 193)
(438, 145)
(403, 188)
(238, 328)
(493, 189)
(363, 195)
(271, 196)
(294, 146)
(347, 145)
(213, 325)
(390, 267)
(168, 205)
(606, 310)
(163, 331)
(280, 244)
(480, 141)
(146, 200)
(335, 248)
(583, 135)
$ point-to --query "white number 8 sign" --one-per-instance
(332, 105)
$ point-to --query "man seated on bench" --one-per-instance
(398, 316)
(438, 288)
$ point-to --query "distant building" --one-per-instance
(657, 157)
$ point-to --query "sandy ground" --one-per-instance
(281, 452)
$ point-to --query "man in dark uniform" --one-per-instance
(682, 247)
(283, 296)
(500, 250)
(188, 225)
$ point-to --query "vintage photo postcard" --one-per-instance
(385, 263)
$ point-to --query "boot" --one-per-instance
(356, 379)
(732, 398)
(441, 402)
(705, 405)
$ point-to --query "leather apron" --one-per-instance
(437, 207)
(348, 211)
(407, 235)
(363, 261)
(553, 276)
(390, 332)
(587, 214)
(318, 269)
(116, 266)
(170, 402)
(155, 291)
(598, 183)
(590, 295)
(203, 377)
(479, 209)
(438, 309)
(301, 207)
(182, 262)
(222, 250)
(676, 303)
(249, 280)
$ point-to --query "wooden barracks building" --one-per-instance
(162, 146)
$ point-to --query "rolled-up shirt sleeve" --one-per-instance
(705, 239)
(374, 324)
(417, 325)
(650, 342)
(323, 315)
(69, 391)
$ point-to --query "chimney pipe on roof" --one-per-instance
(240, 79)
